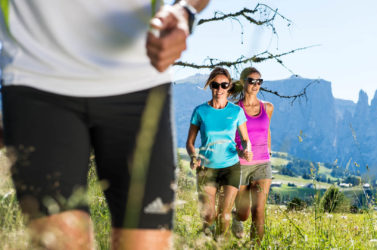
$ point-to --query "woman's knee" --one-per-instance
(243, 214)
(70, 229)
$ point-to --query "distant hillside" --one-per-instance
(317, 128)
(186, 97)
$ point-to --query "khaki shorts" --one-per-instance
(218, 176)
(255, 172)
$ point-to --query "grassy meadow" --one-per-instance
(306, 229)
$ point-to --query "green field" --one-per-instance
(278, 161)
(306, 229)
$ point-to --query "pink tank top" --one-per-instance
(257, 127)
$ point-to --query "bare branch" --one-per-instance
(245, 13)
(276, 12)
(238, 93)
(213, 62)
(293, 97)
(269, 15)
(219, 16)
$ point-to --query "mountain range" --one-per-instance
(316, 126)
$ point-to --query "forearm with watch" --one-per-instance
(246, 145)
(194, 159)
(240, 152)
(192, 7)
(191, 152)
(198, 5)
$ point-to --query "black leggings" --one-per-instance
(51, 136)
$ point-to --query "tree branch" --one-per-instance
(245, 13)
(293, 97)
(213, 62)
(268, 15)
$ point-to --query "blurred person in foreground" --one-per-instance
(82, 75)
(255, 175)
(217, 165)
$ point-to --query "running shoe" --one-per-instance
(210, 230)
(237, 226)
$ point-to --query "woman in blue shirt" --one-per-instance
(217, 164)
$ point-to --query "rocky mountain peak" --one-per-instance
(373, 105)
(363, 98)
(362, 106)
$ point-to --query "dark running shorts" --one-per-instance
(218, 176)
(250, 173)
(50, 138)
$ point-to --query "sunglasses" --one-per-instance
(216, 85)
(250, 80)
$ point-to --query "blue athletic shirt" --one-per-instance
(217, 130)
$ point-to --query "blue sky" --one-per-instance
(344, 31)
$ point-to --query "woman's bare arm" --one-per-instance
(246, 153)
(190, 146)
(269, 110)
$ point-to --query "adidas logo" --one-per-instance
(157, 207)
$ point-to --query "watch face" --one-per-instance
(191, 13)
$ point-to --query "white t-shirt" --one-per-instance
(87, 48)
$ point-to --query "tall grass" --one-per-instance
(13, 233)
(310, 228)
(12, 230)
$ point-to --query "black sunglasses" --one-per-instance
(216, 85)
(250, 80)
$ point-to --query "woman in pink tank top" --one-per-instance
(255, 175)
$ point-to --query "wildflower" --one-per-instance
(201, 241)
(343, 217)
(227, 217)
(284, 220)
(373, 240)
(179, 203)
(187, 218)
(8, 194)
(329, 215)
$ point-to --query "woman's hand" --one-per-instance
(195, 162)
(247, 155)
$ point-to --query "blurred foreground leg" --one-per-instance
(136, 239)
(67, 230)
(225, 208)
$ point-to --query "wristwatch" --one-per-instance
(191, 11)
